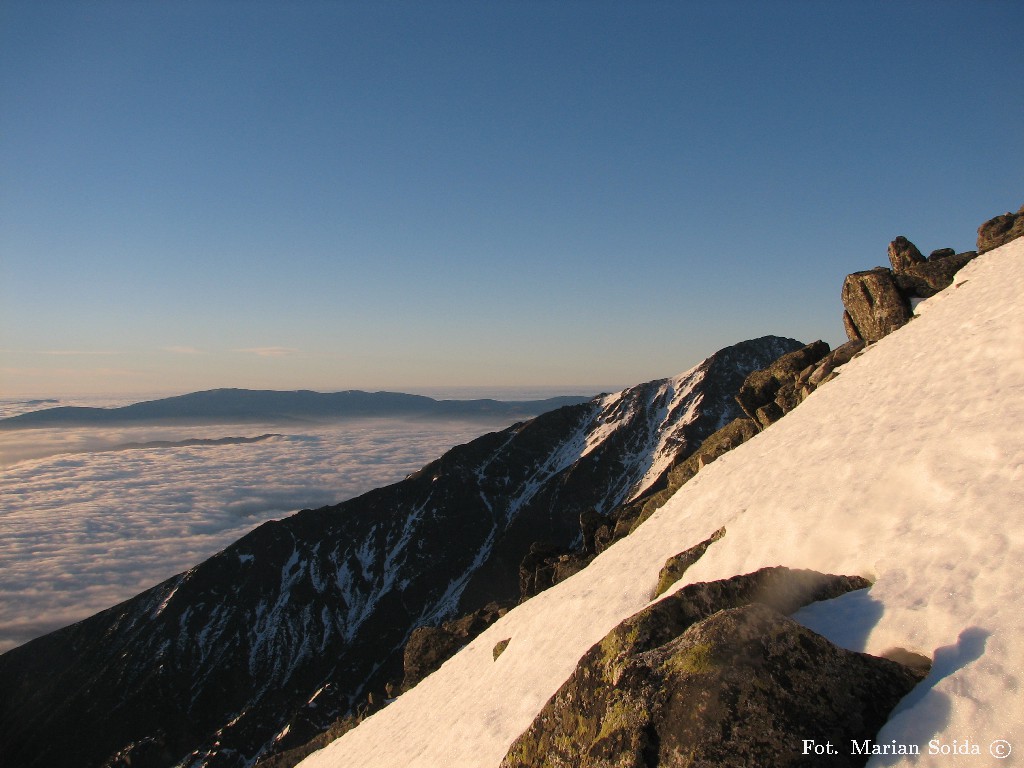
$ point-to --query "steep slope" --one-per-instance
(266, 643)
(906, 469)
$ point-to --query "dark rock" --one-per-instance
(927, 279)
(716, 675)
(428, 648)
(761, 387)
(903, 254)
(499, 647)
(591, 523)
(677, 565)
(1000, 230)
(537, 569)
(815, 375)
(941, 253)
(874, 304)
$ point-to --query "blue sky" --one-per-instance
(408, 196)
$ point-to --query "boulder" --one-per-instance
(941, 253)
(903, 254)
(1000, 230)
(715, 674)
(874, 304)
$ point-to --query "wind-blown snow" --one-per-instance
(908, 469)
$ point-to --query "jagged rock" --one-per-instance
(941, 253)
(591, 524)
(430, 647)
(926, 279)
(1000, 230)
(499, 647)
(767, 395)
(677, 565)
(537, 569)
(903, 254)
(714, 675)
(874, 304)
(815, 375)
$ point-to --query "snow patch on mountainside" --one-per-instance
(908, 469)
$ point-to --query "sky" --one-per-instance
(405, 196)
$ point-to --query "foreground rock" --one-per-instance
(715, 674)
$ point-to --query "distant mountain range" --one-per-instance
(251, 405)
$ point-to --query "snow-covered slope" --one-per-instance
(907, 469)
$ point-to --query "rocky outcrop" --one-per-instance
(677, 565)
(1001, 230)
(878, 301)
(429, 647)
(875, 306)
(903, 254)
(715, 674)
(767, 395)
(928, 278)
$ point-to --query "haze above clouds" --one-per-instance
(85, 530)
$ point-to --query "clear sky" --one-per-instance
(400, 195)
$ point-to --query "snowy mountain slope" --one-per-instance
(263, 645)
(907, 469)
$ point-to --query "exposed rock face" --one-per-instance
(267, 644)
(1001, 230)
(874, 305)
(716, 675)
(677, 565)
(903, 254)
(429, 647)
(926, 279)
(768, 395)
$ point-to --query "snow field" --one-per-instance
(907, 469)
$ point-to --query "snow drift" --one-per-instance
(907, 469)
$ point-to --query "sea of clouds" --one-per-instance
(84, 525)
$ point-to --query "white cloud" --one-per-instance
(83, 531)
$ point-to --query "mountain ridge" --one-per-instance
(269, 641)
(231, 405)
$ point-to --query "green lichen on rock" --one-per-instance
(714, 674)
(677, 565)
(499, 647)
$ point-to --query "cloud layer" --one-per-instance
(83, 531)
